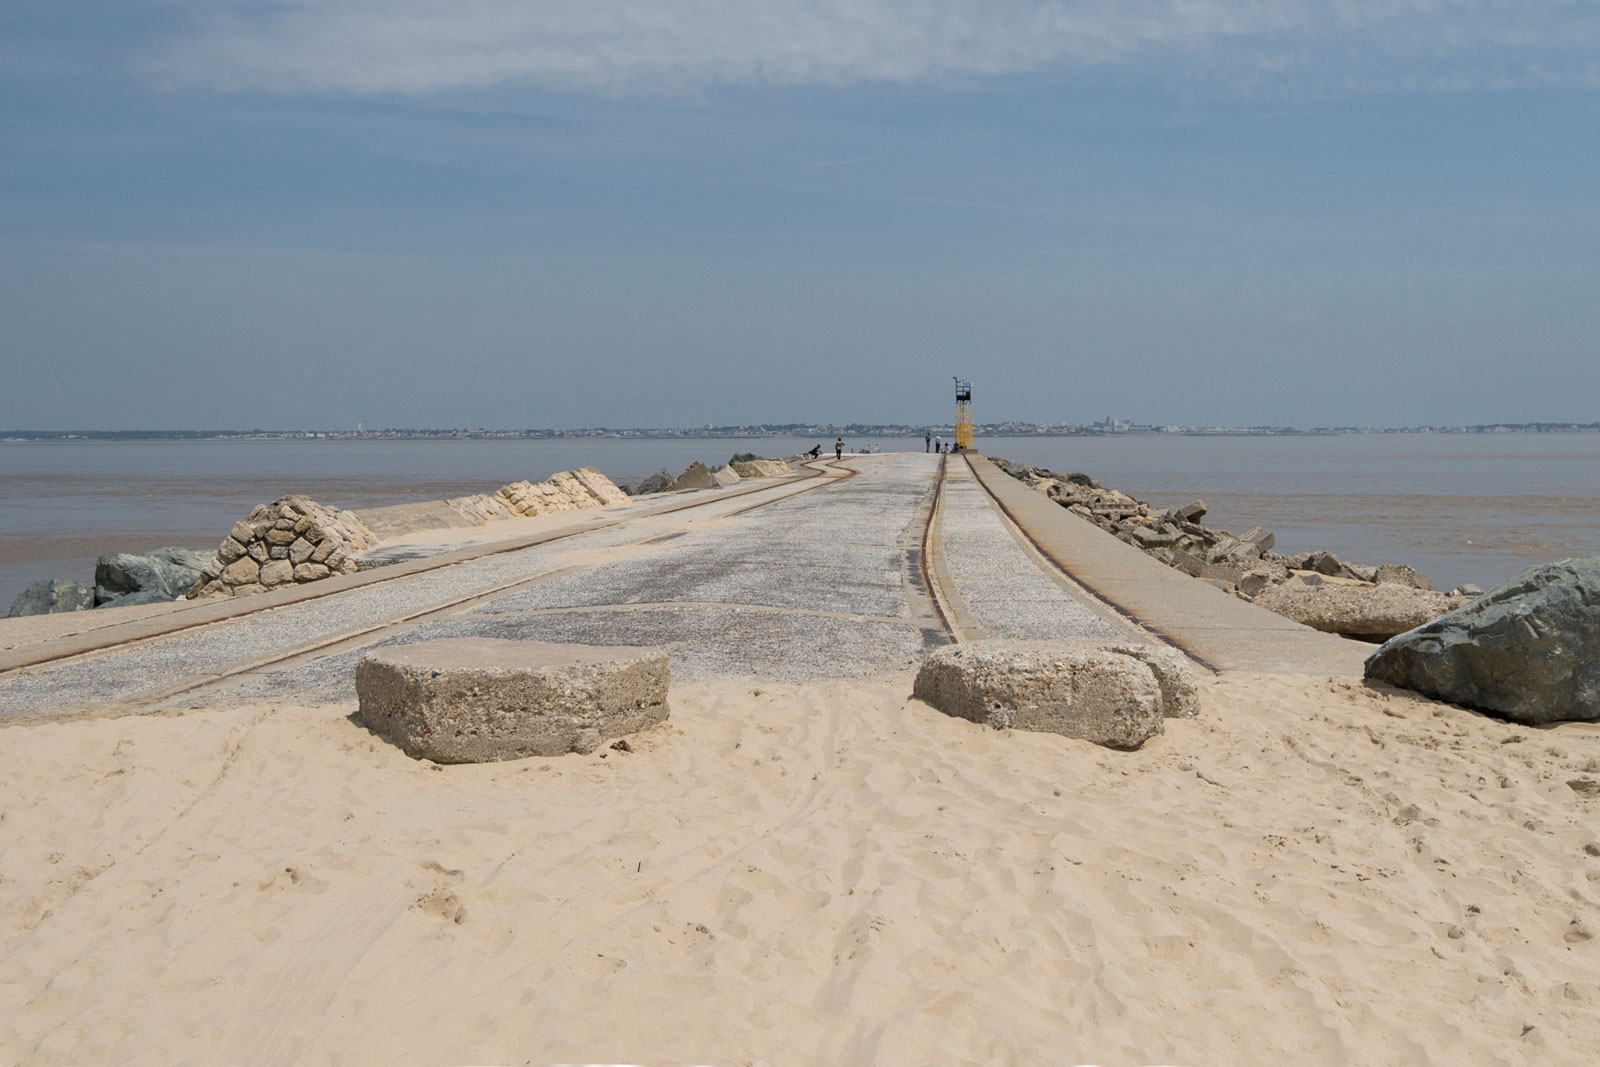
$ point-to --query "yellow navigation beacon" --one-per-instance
(963, 413)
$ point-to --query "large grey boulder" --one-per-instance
(52, 596)
(143, 596)
(1525, 650)
(1355, 610)
(475, 700)
(122, 573)
(181, 567)
(160, 574)
(1116, 696)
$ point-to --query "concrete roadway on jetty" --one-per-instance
(848, 570)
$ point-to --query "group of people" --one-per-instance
(838, 449)
(930, 443)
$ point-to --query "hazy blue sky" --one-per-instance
(294, 213)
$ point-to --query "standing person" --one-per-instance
(927, 439)
(938, 443)
(838, 448)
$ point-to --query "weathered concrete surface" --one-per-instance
(820, 585)
(1102, 695)
(1525, 650)
(146, 652)
(477, 700)
(24, 644)
(1174, 674)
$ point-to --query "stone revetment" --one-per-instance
(290, 541)
(476, 700)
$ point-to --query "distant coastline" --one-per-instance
(1109, 427)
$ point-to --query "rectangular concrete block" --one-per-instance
(1116, 696)
(476, 700)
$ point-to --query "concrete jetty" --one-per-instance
(850, 569)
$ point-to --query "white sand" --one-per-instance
(1309, 873)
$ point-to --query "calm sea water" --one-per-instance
(1458, 507)
(1461, 508)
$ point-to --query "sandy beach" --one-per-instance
(1309, 872)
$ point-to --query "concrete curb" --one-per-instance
(1219, 631)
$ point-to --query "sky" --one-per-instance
(571, 213)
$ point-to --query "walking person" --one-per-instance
(927, 440)
(838, 448)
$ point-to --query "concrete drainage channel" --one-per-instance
(948, 607)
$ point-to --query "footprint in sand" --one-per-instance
(442, 903)
(291, 878)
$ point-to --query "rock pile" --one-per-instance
(562, 491)
(291, 541)
(1316, 589)
(122, 579)
(1524, 650)
(759, 468)
(698, 476)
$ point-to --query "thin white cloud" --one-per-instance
(640, 46)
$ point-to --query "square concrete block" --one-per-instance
(476, 700)
(1116, 696)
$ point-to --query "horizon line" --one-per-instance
(1001, 428)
